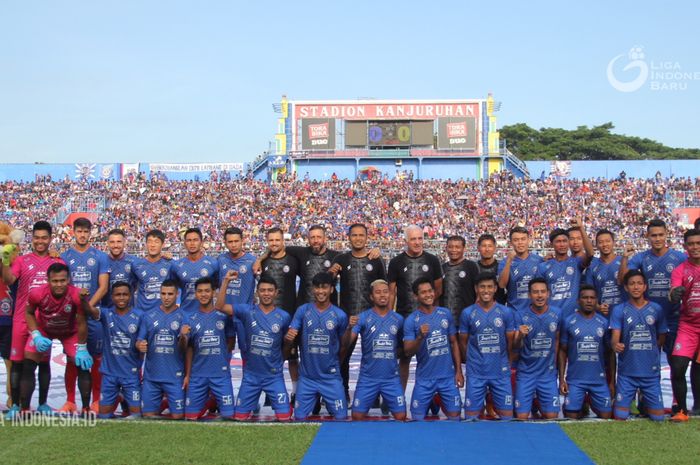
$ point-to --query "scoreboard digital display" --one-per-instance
(388, 133)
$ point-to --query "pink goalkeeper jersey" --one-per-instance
(30, 271)
(688, 275)
(54, 315)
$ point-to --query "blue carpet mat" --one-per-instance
(442, 442)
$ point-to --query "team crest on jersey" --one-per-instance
(677, 346)
(552, 326)
(275, 328)
(219, 325)
(127, 268)
(5, 307)
(330, 325)
(174, 325)
(393, 329)
(444, 323)
(467, 402)
(327, 263)
(368, 267)
(424, 268)
(163, 272)
(600, 331)
(497, 322)
(91, 261)
(285, 268)
(68, 308)
(204, 272)
(569, 270)
(669, 267)
(415, 403)
(242, 269)
(650, 319)
(132, 328)
(462, 274)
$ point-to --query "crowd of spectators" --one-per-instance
(443, 208)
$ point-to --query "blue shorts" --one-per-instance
(599, 392)
(331, 390)
(424, 391)
(198, 393)
(544, 386)
(152, 394)
(112, 386)
(475, 394)
(95, 337)
(626, 389)
(367, 390)
(251, 387)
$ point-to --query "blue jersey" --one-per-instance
(86, 267)
(657, 271)
(150, 275)
(380, 337)
(538, 356)
(264, 335)
(164, 362)
(119, 269)
(434, 355)
(487, 351)
(120, 357)
(208, 332)
(521, 272)
(242, 289)
(320, 335)
(639, 331)
(564, 279)
(603, 276)
(187, 272)
(586, 340)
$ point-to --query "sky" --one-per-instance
(182, 81)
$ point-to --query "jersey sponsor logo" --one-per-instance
(219, 325)
(174, 325)
(497, 322)
(368, 267)
(132, 328)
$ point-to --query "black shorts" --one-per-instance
(5, 342)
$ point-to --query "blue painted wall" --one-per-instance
(611, 169)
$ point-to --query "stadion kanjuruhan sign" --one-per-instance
(376, 111)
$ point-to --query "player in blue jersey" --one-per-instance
(638, 331)
(583, 352)
(151, 271)
(264, 326)
(519, 267)
(537, 341)
(188, 269)
(563, 272)
(603, 272)
(382, 336)
(119, 262)
(657, 264)
(430, 334)
(486, 332)
(121, 360)
(89, 269)
(164, 343)
(208, 359)
(319, 325)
